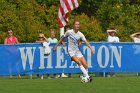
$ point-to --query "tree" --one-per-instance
(29, 17)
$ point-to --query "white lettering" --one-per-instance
(43, 56)
(99, 56)
(117, 56)
(27, 52)
(60, 58)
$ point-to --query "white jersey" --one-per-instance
(113, 39)
(136, 40)
(73, 39)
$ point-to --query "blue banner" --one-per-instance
(31, 59)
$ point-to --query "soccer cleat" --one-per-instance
(90, 78)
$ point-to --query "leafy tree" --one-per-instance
(120, 14)
(29, 17)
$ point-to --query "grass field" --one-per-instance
(71, 85)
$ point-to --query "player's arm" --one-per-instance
(87, 43)
(62, 38)
(60, 41)
(63, 43)
(79, 43)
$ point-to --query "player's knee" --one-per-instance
(86, 66)
(79, 63)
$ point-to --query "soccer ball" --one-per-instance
(84, 79)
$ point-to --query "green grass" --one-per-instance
(71, 85)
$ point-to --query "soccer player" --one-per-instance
(74, 35)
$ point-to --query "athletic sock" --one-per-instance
(87, 70)
(83, 70)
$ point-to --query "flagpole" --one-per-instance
(61, 32)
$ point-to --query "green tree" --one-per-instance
(29, 17)
(119, 14)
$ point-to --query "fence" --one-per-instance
(30, 58)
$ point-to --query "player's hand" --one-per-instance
(63, 43)
(54, 49)
(92, 51)
(79, 43)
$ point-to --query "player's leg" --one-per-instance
(75, 59)
(82, 59)
(84, 63)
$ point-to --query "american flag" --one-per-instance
(65, 7)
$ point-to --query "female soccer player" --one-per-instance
(74, 35)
